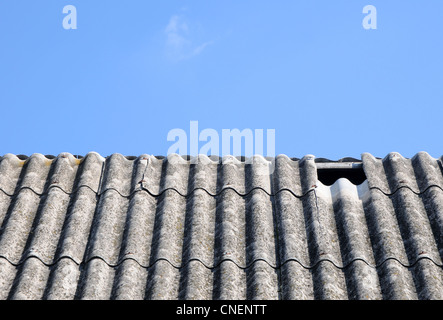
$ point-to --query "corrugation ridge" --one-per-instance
(23, 157)
(161, 193)
(320, 264)
(118, 172)
(428, 170)
(199, 234)
(63, 207)
(386, 157)
(276, 266)
(47, 190)
(312, 266)
(388, 164)
(173, 158)
(47, 227)
(47, 286)
(54, 164)
(406, 187)
(260, 241)
(348, 265)
(82, 173)
(349, 218)
(399, 172)
(213, 158)
(11, 170)
(18, 224)
(36, 173)
(22, 261)
(107, 227)
(137, 188)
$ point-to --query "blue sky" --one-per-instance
(134, 70)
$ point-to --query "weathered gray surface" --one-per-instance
(151, 228)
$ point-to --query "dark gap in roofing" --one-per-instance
(346, 159)
(328, 176)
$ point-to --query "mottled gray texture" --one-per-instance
(218, 228)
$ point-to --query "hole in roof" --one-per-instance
(329, 176)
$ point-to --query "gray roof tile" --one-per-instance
(218, 228)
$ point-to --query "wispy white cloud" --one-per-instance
(176, 24)
(201, 47)
(179, 39)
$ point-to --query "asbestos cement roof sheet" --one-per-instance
(219, 228)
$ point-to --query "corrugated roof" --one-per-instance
(218, 228)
